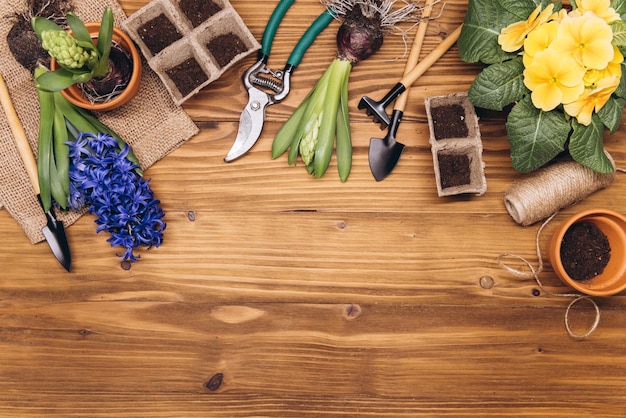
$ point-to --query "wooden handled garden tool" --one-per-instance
(377, 109)
(384, 153)
(54, 232)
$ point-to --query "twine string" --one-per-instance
(552, 188)
(534, 273)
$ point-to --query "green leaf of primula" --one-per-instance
(483, 22)
(585, 146)
(619, 6)
(499, 85)
(611, 113)
(619, 33)
(535, 136)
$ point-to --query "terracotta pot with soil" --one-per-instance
(105, 94)
(588, 252)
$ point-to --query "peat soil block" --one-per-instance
(190, 43)
(456, 145)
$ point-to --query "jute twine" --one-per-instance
(552, 188)
(151, 123)
(542, 196)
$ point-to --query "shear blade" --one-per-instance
(250, 125)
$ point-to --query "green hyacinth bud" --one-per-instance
(64, 48)
(309, 139)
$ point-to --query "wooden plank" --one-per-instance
(297, 256)
(121, 347)
(310, 297)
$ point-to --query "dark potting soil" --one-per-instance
(226, 47)
(25, 46)
(158, 33)
(23, 43)
(198, 11)
(187, 76)
(585, 251)
(454, 169)
(120, 72)
(449, 121)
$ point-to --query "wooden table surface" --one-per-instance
(278, 294)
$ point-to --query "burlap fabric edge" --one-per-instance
(151, 123)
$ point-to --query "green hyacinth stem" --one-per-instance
(326, 137)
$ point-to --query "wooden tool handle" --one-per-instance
(431, 58)
(414, 55)
(19, 136)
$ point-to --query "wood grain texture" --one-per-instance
(277, 294)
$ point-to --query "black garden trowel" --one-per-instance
(384, 153)
(53, 231)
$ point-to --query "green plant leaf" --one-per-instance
(44, 145)
(343, 148)
(82, 77)
(79, 30)
(86, 45)
(535, 136)
(499, 85)
(585, 146)
(483, 22)
(105, 36)
(611, 113)
(55, 80)
(41, 24)
(619, 6)
(619, 33)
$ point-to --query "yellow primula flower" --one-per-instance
(539, 40)
(601, 8)
(613, 69)
(512, 37)
(587, 39)
(558, 16)
(592, 100)
(553, 79)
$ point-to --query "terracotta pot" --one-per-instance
(613, 278)
(74, 94)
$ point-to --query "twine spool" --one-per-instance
(553, 188)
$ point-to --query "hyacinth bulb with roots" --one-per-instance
(323, 115)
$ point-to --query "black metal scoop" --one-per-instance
(384, 153)
(53, 232)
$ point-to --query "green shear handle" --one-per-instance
(305, 41)
(266, 87)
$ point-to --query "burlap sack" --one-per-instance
(151, 123)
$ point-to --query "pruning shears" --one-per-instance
(267, 87)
